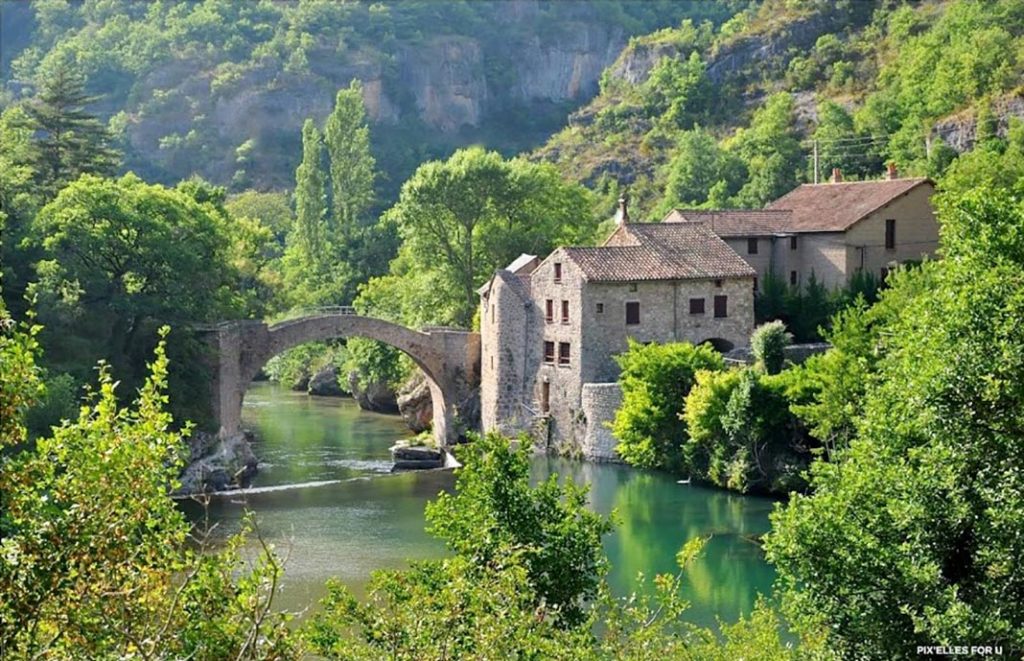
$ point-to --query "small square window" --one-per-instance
(721, 307)
(600, 308)
(632, 286)
(696, 306)
(563, 353)
(558, 272)
(792, 243)
(565, 312)
(718, 283)
(751, 246)
(632, 313)
(549, 353)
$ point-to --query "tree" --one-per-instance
(655, 380)
(476, 212)
(121, 258)
(770, 148)
(67, 140)
(769, 343)
(310, 235)
(841, 146)
(698, 166)
(347, 138)
(97, 557)
(911, 535)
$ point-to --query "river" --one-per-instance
(325, 498)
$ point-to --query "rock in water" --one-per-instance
(325, 383)
(375, 396)
(217, 464)
(415, 404)
(415, 457)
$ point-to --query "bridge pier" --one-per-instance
(450, 359)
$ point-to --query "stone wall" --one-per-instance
(505, 319)
(600, 401)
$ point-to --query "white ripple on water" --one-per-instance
(282, 487)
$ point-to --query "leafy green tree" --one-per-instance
(67, 140)
(347, 138)
(841, 146)
(310, 235)
(495, 509)
(741, 434)
(769, 343)
(97, 557)
(115, 252)
(771, 150)
(909, 538)
(678, 90)
(655, 380)
(476, 212)
(698, 166)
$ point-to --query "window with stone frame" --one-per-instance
(549, 310)
(696, 306)
(558, 272)
(563, 354)
(549, 352)
(632, 313)
(565, 312)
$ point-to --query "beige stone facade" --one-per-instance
(833, 230)
(550, 331)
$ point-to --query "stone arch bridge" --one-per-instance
(450, 359)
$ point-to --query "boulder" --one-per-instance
(415, 403)
(218, 464)
(416, 457)
(375, 396)
(325, 383)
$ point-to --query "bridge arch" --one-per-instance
(449, 359)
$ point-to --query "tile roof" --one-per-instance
(654, 251)
(834, 207)
(735, 222)
(520, 284)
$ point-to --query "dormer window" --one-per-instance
(558, 271)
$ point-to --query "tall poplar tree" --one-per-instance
(352, 166)
(310, 199)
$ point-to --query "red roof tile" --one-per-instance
(735, 222)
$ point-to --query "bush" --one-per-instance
(769, 343)
(655, 380)
(741, 433)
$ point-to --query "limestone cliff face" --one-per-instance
(448, 85)
(960, 131)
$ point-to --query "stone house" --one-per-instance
(550, 328)
(833, 229)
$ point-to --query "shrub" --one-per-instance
(769, 343)
(655, 380)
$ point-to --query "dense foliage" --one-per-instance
(655, 380)
(97, 559)
(910, 536)
(168, 70)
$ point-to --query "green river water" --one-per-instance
(325, 498)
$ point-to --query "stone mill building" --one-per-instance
(550, 328)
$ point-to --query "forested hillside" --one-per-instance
(221, 88)
(702, 117)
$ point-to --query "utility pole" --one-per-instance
(815, 161)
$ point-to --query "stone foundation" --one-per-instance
(600, 401)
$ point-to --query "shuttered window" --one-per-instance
(721, 306)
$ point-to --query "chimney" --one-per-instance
(891, 172)
(837, 175)
(622, 217)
